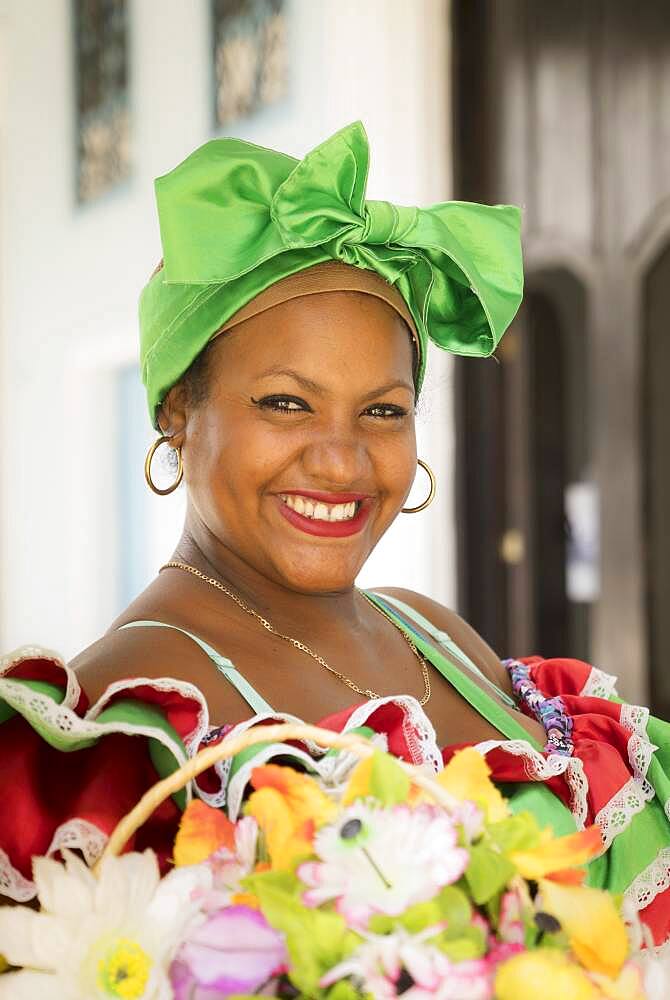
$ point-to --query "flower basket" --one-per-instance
(385, 881)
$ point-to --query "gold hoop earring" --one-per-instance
(163, 439)
(431, 496)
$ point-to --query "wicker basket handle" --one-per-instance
(231, 746)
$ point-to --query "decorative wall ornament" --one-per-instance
(250, 56)
(101, 82)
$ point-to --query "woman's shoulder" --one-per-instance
(131, 652)
(463, 634)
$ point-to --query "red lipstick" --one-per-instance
(327, 529)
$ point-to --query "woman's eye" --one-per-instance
(386, 410)
(281, 404)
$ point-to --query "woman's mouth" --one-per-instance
(331, 515)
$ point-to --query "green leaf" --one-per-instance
(389, 784)
(517, 833)
(380, 923)
(450, 906)
(316, 940)
(343, 991)
(487, 873)
(467, 943)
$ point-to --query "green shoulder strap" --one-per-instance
(222, 664)
(482, 702)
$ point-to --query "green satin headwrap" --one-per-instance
(235, 218)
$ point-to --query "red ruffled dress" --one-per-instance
(71, 770)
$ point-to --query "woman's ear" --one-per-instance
(172, 416)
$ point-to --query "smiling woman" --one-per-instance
(283, 343)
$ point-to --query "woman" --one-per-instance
(283, 346)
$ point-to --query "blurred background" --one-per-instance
(549, 532)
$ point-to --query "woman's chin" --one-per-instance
(322, 577)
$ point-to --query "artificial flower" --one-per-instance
(289, 807)
(510, 922)
(229, 867)
(595, 930)
(202, 831)
(111, 936)
(554, 854)
(629, 985)
(234, 951)
(382, 860)
(400, 964)
(466, 777)
(544, 972)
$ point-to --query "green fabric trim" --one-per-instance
(140, 714)
(466, 687)
(536, 798)
(42, 687)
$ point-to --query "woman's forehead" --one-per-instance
(329, 333)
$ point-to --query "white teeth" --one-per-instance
(320, 511)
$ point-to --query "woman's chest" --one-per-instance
(312, 686)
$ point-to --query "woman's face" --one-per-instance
(303, 451)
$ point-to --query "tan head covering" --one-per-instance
(331, 276)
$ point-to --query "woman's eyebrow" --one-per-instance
(397, 384)
(307, 383)
(302, 380)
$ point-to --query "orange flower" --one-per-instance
(202, 831)
(289, 808)
(589, 917)
(555, 854)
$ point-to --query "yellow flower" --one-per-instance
(202, 831)
(592, 922)
(554, 854)
(466, 776)
(124, 970)
(546, 973)
(289, 808)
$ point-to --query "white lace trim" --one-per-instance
(192, 739)
(632, 797)
(79, 835)
(540, 768)
(66, 726)
(222, 768)
(417, 728)
(598, 685)
(635, 718)
(649, 883)
(331, 770)
(13, 884)
(76, 834)
(11, 660)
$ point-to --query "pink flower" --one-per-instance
(234, 951)
(400, 964)
(510, 924)
(376, 860)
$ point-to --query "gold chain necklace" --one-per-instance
(301, 645)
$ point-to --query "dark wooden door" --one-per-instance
(563, 108)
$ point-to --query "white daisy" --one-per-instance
(382, 860)
(95, 938)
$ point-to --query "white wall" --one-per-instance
(70, 276)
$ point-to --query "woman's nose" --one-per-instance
(337, 460)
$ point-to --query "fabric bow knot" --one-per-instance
(237, 217)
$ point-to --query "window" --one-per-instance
(250, 57)
(101, 80)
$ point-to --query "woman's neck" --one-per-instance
(288, 610)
